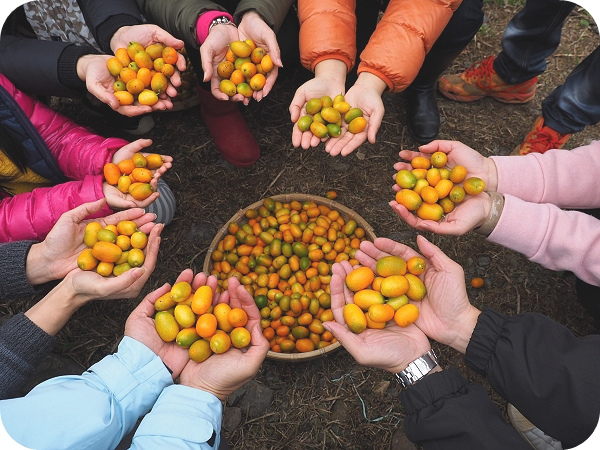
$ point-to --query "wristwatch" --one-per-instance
(417, 369)
(221, 20)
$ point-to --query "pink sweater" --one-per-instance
(535, 188)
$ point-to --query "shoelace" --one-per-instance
(545, 139)
(482, 70)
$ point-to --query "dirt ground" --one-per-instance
(332, 402)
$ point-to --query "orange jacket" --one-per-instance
(397, 47)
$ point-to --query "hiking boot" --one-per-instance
(540, 139)
(481, 80)
(532, 434)
(229, 130)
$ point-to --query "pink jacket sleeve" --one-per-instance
(30, 216)
(535, 188)
(79, 152)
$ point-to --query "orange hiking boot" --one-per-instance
(481, 80)
(540, 139)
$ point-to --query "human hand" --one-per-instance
(56, 256)
(127, 151)
(118, 200)
(330, 76)
(391, 348)
(252, 26)
(366, 95)
(467, 215)
(140, 324)
(222, 374)
(146, 35)
(212, 52)
(458, 154)
(99, 82)
(445, 313)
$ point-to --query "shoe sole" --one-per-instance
(513, 100)
(518, 421)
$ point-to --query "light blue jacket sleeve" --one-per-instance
(182, 418)
(94, 410)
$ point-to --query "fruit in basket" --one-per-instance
(431, 190)
(189, 318)
(244, 69)
(109, 249)
(141, 74)
(386, 296)
(282, 254)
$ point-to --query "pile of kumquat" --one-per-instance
(384, 294)
(431, 189)
(283, 255)
(133, 176)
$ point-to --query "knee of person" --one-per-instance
(164, 206)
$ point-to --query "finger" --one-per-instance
(356, 141)
(146, 306)
(199, 280)
(247, 302)
(152, 249)
(439, 260)
(186, 275)
(404, 214)
(134, 110)
(82, 211)
(344, 336)
(259, 346)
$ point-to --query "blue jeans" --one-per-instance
(532, 35)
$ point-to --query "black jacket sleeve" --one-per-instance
(444, 411)
(105, 17)
(538, 365)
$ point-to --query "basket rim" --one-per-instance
(286, 198)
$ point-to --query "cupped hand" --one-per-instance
(367, 97)
(129, 284)
(140, 326)
(315, 88)
(458, 154)
(212, 52)
(252, 26)
(445, 313)
(118, 200)
(58, 252)
(222, 374)
(100, 83)
(127, 151)
(391, 348)
(467, 215)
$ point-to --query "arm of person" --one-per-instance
(339, 20)
(13, 267)
(105, 402)
(549, 177)
(542, 233)
(31, 215)
(273, 12)
(444, 410)
(545, 371)
(54, 64)
(412, 27)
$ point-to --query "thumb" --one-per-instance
(438, 259)
(342, 334)
(82, 211)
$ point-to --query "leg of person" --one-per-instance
(422, 112)
(531, 36)
(224, 120)
(567, 110)
(164, 205)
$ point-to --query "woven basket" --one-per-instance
(240, 218)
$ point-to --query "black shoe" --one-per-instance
(423, 116)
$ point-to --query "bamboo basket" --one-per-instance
(240, 218)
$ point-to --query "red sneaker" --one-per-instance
(481, 80)
(229, 130)
(540, 139)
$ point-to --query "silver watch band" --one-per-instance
(417, 369)
(221, 20)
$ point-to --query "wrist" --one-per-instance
(333, 69)
(370, 81)
(464, 330)
(495, 211)
(418, 369)
(38, 270)
(207, 20)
